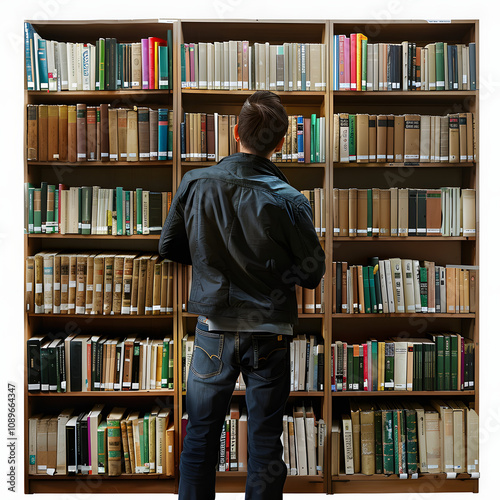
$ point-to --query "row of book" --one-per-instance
(100, 441)
(445, 211)
(406, 438)
(399, 285)
(81, 132)
(367, 138)
(440, 361)
(210, 137)
(94, 210)
(104, 65)
(96, 282)
(240, 65)
(82, 363)
(359, 65)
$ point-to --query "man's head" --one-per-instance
(262, 124)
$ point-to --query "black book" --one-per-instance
(34, 363)
(412, 212)
(44, 365)
(374, 261)
(414, 66)
(437, 289)
(338, 285)
(155, 212)
(43, 191)
(321, 369)
(61, 367)
(119, 363)
(71, 446)
(52, 368)
(99, 364)
(113, 63)
(120, 70)
(75, 358)
(450, 67)
(135, 365)
(455, 67)
(389, 67)
(84, 444)
(106, 64)
(79, 440)
(421, 211)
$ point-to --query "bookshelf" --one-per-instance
(328, 175)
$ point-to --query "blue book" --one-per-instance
(312, 159)
(472, 65)
(28, 47)
(42, 65)
(162, 134)
(335, 62)
(300, 138)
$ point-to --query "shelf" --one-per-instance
(94, 236)
(102, 316)
(292, 393)
(380, 483)
(393, 239)
(404, 315)
(301, 315)
(90, 394)
(102, 164)
(431, 394)
(402, 164)
(278, 164)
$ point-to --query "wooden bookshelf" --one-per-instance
(329, 174)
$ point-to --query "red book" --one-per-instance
(307, 140)
(228, 443)
(341, 63)
(365, 367)
(353, 62)
(153, 61)
(332, 374)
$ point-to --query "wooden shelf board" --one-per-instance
(404, 315)
(292, 393)
(394, 239)
(93, 93)
(89, 394)
(437, 94)
(433, 394)
(103, 316)
(278, 164)
(301, 315)
(299, 93)
(101, 164)
(401, 165)
(95, 236)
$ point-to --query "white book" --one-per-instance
(404, 46)
(63, 59)
(348, 444)
(79, 65)
(85, 66)
(218, 64)
(369, 67)
(273, 50)
(409, 291)
(92, 66)
(383, 287)
(400, 365)
(225, 65)
(51, 66)
(390, 286)
(375, 66)
(397, 283)
(292, 365)
(267, 65)
(311, 439)
(36, 77)
(210, 65)
(202, 65)
(300, 441)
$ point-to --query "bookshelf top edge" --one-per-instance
(83, 22)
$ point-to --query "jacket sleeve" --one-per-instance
(174, 243)
(308, 254)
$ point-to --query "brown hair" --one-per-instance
(262, 122)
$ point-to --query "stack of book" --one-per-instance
(441, 362)
(401, 212)
(406, 438)
(210, 137)
(81, 363)
(413, 138)
(105, 65)
(398, 285)
(81, 132)
(94, 210)
(98, 283)
(240, 65)
(360, 65)
(99, 441)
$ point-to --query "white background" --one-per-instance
(14, 12)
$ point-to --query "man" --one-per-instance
(250, 239)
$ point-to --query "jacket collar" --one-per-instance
(259, 163)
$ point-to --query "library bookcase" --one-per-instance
(166, 175)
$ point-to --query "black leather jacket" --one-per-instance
(249, 236)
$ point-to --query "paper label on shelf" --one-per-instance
(414, 475)
(403, 476)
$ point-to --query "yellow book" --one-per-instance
(381, 366)
(156, 65)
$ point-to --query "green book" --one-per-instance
(423, 288)
(453, 362)
(389, 366)
(119, 211)
(411, 441)
(370, 213)
(364, 60)
(396, 424)
(164, 364)
(313, 138)
(183, 65)
(417, 366)
(352, 137)
(374, 386)
(102, 448)
(142, 458)
(366, 289)
(387, 439)
(119, 72)
(402, 441)
(171, 365)
(139, 210)
(379, 451)
(440, 66)
(102, 64)
(145, 441)
(439, 340)
(355, 367)
(163, 67)
(447, 362)
(127, 212)
(350, 368)
(373, 298)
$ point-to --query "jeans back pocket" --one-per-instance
(271, 355)
(207, 354)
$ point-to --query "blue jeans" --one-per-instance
(218, 357)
